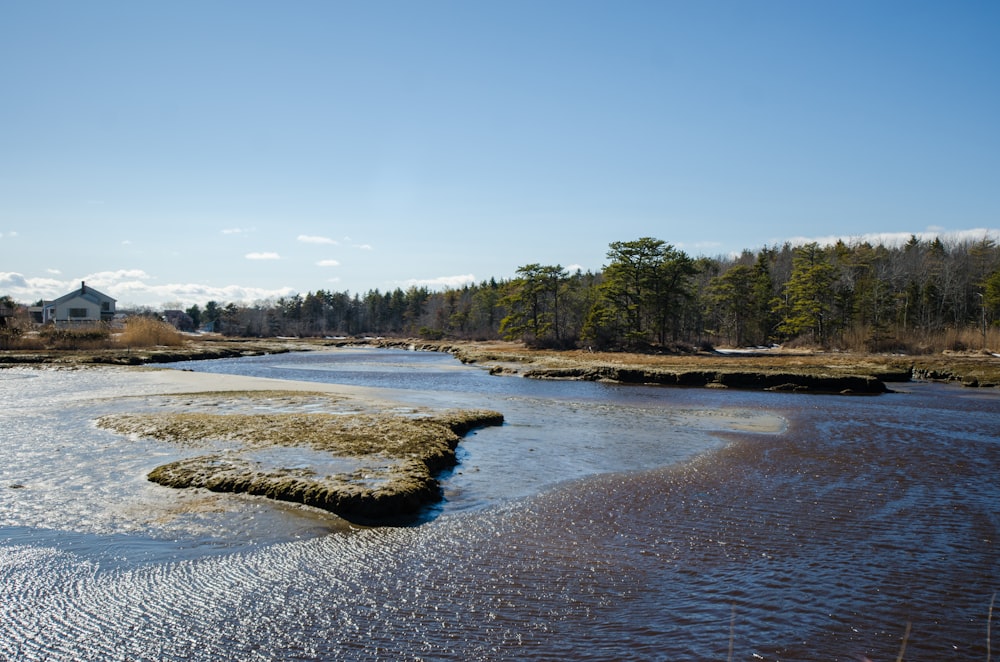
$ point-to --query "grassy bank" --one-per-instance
(192, 348)
(364, 467)
(804, 369)
(775, 369)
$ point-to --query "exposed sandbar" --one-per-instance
(168, 380)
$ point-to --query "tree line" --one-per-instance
(651, 295)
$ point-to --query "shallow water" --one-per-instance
(601, 522)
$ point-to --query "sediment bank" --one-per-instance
(697, 371)
(807, 371)
(363, 467)
(776, 381)
(775, 369)
(193, 350)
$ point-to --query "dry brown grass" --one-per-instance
(88, 337)
(970, 367)
(149, 332)
(352, 434)
(391, 475)
(916, 342)
(805, 360)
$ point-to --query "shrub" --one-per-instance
(77, 337)
(428, 333)
(9, 337)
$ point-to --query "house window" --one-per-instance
(77, 312)
(106, 306)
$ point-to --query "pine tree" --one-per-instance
(808, 295)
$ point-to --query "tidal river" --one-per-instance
(600, 522)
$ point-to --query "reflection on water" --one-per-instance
(600, 523)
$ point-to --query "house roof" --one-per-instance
(85, 292)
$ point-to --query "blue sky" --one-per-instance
(178, 152)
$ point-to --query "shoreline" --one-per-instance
(352, 451)
(806, 371)
(802, 371)
(343, 449)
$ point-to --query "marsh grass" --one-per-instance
(139, 332)
(917, 342)
(972, 367)
(94, 336)
(351, 434)
(143, 331)
(408, 452)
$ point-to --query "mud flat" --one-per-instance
(319, 445)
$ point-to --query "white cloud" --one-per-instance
(188, 294)
(236, 230)
(133, 287)
(29, 290)
(12, 281)
(900, 238)
(365, 247)
(311, 239)
(54, 272)
(328, 263)
(11, 234)
(262, 256)
(441, 281)
(116, 276)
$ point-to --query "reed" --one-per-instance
(915, 341)
(143, 331)
(93, 336)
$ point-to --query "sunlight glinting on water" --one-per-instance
(598, 523)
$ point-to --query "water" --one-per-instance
(601, 522)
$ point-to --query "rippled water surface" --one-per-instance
(600, 522)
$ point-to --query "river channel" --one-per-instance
(600, 522)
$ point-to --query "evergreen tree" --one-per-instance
(808, 293)
(642, 294)
(620, 314)
(733, 295)
(194, 312)
(533, 304)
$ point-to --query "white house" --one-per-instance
(85, 305)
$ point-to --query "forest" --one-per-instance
(920, 297)
(650, 296)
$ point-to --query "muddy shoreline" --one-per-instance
(389, 460)
(363, 467)
(806, 371)
(193, 350)
(770, 370)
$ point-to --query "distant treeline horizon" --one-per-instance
(653, 296)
